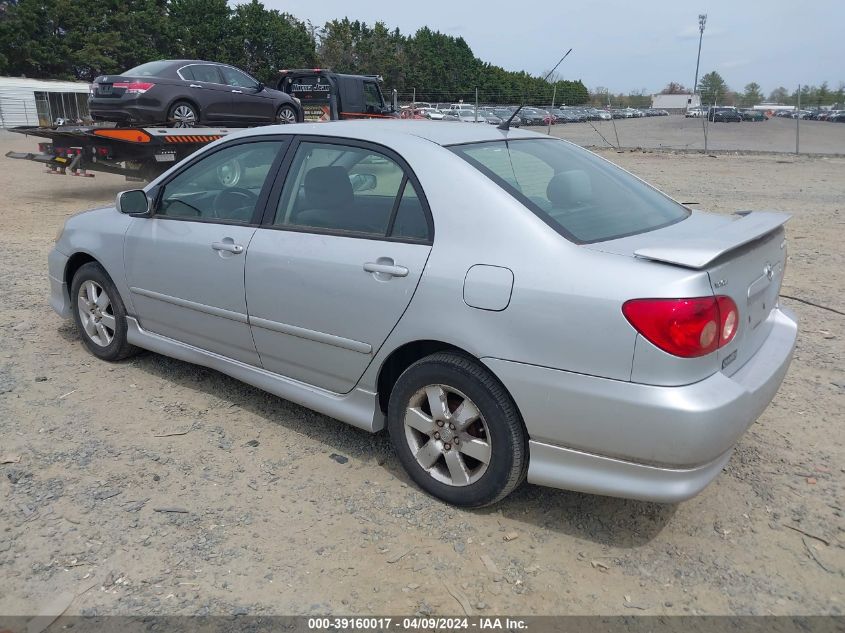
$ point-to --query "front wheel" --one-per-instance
(99, 313)
(457, 431)
(286, 114)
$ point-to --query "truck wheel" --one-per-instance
(286, 114)
(183, 114)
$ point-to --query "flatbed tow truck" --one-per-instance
(143, 153)
(139, 154)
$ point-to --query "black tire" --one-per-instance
(286, 114)
(508, 441)
(183, 114)
(118, 348)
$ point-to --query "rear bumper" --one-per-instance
(642, 441)
(127, 110)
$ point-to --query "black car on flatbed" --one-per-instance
(188, 93)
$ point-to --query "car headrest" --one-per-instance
(570, 189)
(327, 188)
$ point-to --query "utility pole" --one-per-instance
(797, 118)
(552, 116)
(702, 20)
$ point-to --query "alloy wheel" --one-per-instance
(286, 115)
(183, 115)
(447, 435)
(96, 313)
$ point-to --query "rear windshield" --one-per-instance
(583, 197)
(150, 69)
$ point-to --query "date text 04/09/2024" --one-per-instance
(417, 623)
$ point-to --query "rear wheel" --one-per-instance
(286, 114)
(183, 114)
(99, 313)
(456, 431)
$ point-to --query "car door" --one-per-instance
(185, 263)
(248, 103)
(345, 238)
(206, 87)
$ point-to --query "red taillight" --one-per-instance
(134, 87)
(685, 327)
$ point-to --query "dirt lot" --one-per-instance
(678, 132)
(273, 524)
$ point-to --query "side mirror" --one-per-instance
(259, 87)
(363, 182)
(133, 202)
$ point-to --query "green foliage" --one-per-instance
(201, 29)
(779, 95)
(712, 89)
(752, 95)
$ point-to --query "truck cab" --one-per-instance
(328, 96)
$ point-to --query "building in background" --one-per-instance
(41, 102)
(675, 104)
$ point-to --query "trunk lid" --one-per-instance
(744, 256)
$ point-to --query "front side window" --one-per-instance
(351, 190)
(221, 187)
(580, 195)
(238, 79)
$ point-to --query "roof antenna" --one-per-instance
(507, 124)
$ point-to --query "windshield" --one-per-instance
(583, 197)
(150, 69)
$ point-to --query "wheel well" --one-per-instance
(403, 357)
(76, 261)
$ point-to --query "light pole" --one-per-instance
(702, 20)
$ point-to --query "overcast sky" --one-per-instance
(626, 44)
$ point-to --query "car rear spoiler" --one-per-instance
(697, 252)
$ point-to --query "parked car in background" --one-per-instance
(317, 262)
(532, 116)
(695, 113)
(752, 115)
(723, 114)
(186, 93)
(432, 113)
(505, 114)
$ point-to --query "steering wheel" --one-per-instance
(232, 199)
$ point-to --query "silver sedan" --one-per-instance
(506, 305)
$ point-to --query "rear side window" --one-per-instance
(584, 198)
(353, 190)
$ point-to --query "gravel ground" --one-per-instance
(678, 132)
(153, 486)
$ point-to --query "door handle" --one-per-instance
(237, 249)
(240, 92)
(194, 86)
(386, 269)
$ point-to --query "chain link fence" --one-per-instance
(630, 128)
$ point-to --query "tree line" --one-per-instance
(80, 39)
(714, 89)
